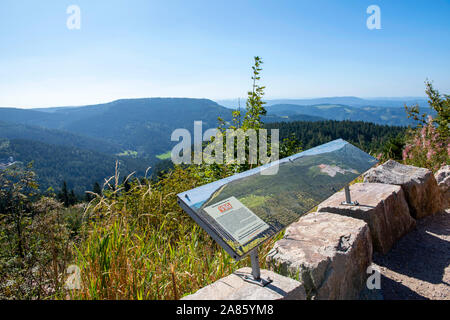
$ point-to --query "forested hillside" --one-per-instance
(80, 144)
(80, 168)
(140, 125)
(380, 115)
(144, 126)
(368, 136)
(11, 130)
(71, 158)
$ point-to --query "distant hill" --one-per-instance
(141, 125)
(379, 115)
(349, 101)
(78, 167)
(291, 117)
(356, 102)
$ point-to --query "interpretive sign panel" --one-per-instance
(242, 211)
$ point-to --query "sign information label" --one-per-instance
(236, 219)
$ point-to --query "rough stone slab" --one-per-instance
(327, 252)
(420, 186)
(233, 287)
(382, 206)
(443, 180)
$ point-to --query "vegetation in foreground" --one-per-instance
(428, 145)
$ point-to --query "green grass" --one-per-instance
(164, 156)
(141, 245)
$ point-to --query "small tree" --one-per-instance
(17, 189)
(252, 119)
(440, 104)
(255, 105)
(72, 198)
(442, 107)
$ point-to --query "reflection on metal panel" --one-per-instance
(242, 211)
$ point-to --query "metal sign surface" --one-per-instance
(242, 211)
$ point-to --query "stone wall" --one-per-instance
(419, 184)
(382, 206)
(326, 254)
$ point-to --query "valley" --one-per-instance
(80, 145)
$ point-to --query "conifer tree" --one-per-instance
(97, 189)
(63, 195)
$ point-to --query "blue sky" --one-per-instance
(204, 49)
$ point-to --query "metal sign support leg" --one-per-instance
(255, 278)
(348, 200)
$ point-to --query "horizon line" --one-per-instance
(216, 100)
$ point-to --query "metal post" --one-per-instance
(348, 200)
(256, 272)
(255, 278)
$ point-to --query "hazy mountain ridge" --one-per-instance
(393, 102)
(270, 118)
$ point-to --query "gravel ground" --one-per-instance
(418, 266)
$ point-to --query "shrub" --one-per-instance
(426, 148)
(428, 145)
